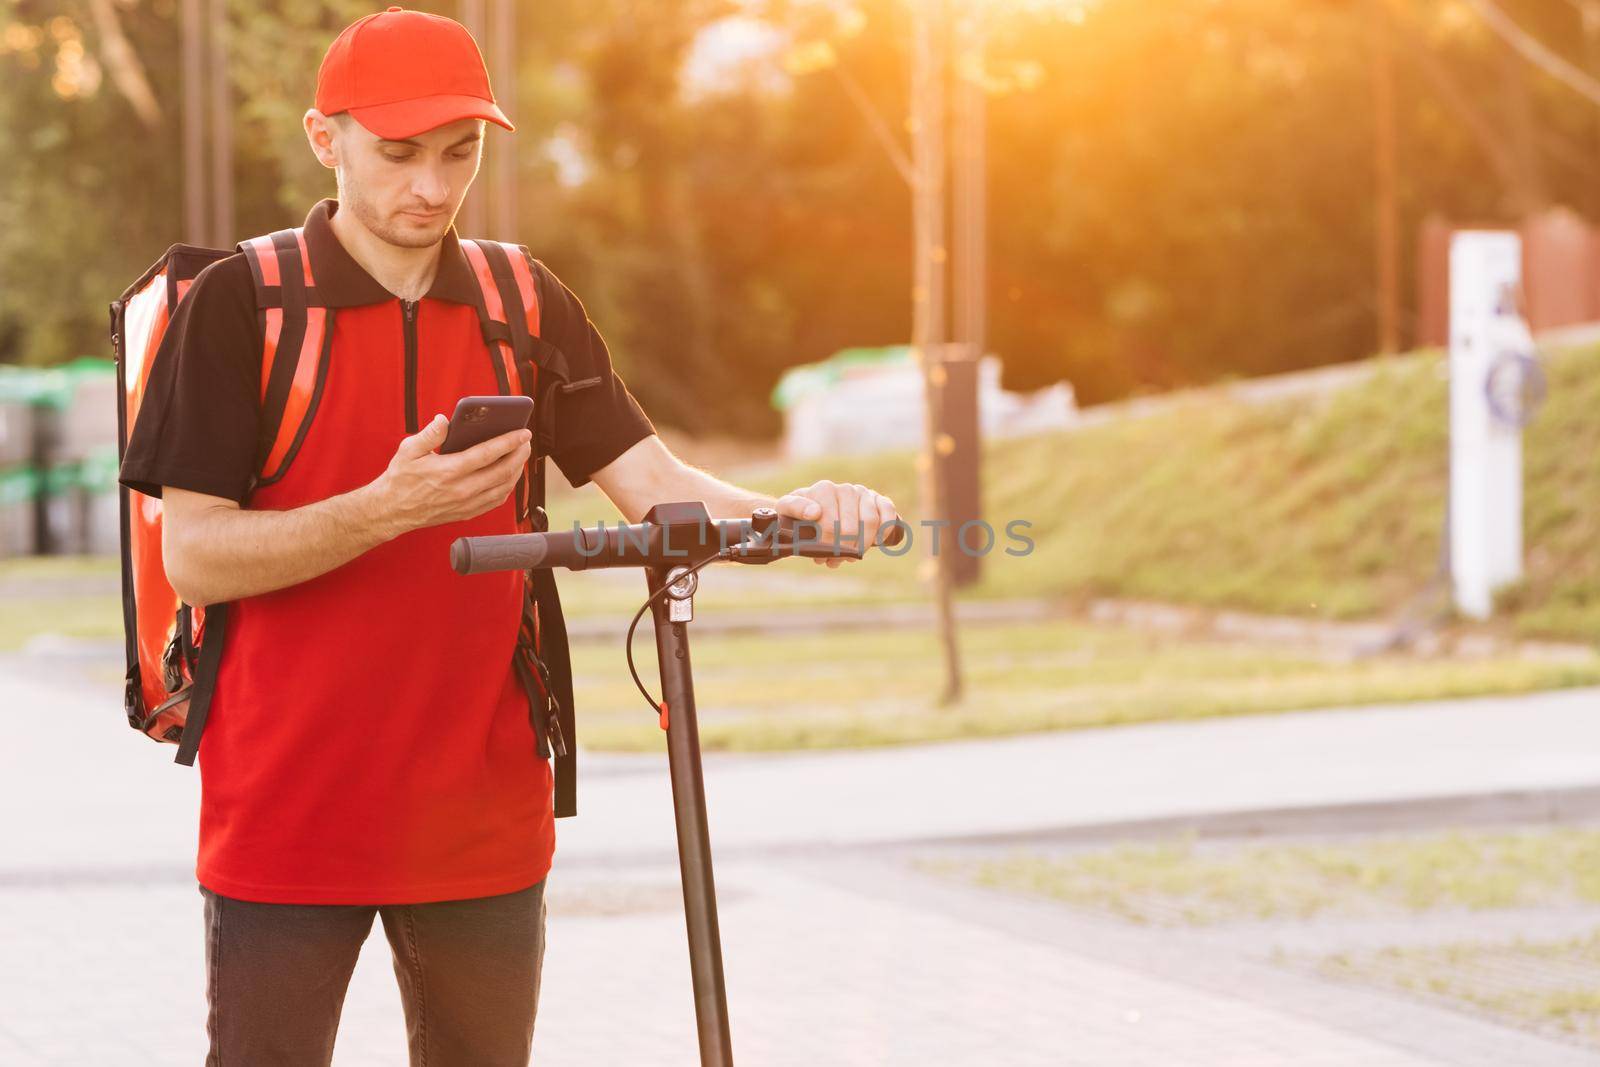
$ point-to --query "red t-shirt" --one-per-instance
(369, 739)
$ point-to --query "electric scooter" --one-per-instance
(672, 544)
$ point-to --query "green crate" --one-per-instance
(19, 485)
(98, 471)
(59, 479)
(50, 387)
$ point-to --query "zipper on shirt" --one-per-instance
(408, 310)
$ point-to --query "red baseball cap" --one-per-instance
(401, 72)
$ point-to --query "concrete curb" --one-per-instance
(1506, 808)
(1510, 808)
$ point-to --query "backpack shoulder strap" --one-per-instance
(295, 340)
(508, 311)
(204, 682)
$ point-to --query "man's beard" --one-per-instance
(387, 230)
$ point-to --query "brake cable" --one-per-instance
(726, 553)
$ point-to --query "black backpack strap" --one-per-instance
(205, 681)
(508, 315)
(297, 333)
(508, 311)
(554, 650)
(509, 304)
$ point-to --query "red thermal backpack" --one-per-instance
(173, 649)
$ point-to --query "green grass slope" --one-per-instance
(1328, 506)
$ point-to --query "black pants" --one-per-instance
(276, 976)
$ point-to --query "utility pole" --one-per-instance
(1388, 220)
(949, 466)
(491, 206)
(503, 164)
(196, 219)
(930, 49)
(961, 470)
(208, 215)
(475, 209)
(220, 97)
(1589, 11)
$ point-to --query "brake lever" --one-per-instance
(775, 536)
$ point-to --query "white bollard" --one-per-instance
(1486, 327)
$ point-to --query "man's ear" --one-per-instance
(320, 132)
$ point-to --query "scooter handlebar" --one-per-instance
(516, 552)
(586, 549)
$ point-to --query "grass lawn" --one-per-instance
(1546, 985)
(845, 688)
(758, 692)
(73, 596)
(1447, 888)
(1180, 883)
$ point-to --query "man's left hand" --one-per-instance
(855, 512)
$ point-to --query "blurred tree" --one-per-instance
(85, 189)
(1199, 177)
(1179, 191)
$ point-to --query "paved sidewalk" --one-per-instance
(821, 970)
(1042, 782)
(827, 961)
(1029, 784)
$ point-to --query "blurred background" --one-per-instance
(1274, 323)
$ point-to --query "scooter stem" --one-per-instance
(689, 809)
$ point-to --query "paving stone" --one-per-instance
(100, 922)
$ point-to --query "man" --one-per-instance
(369, 750)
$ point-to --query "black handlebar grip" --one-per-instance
(504, 552)
(806, 536)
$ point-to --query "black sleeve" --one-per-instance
(596, 423)
(198, 423)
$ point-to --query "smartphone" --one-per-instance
(478, 418)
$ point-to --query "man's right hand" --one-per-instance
(423, 488)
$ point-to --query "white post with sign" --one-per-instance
(1490, 349)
